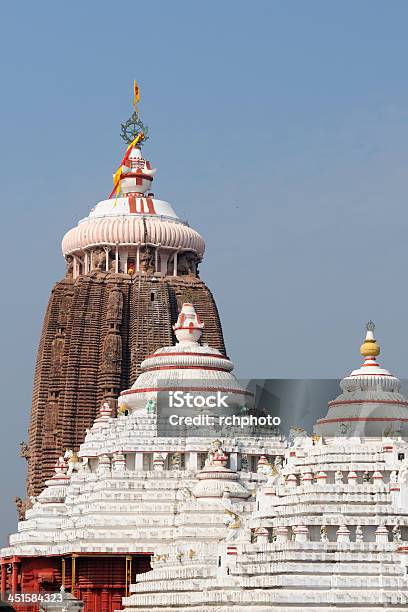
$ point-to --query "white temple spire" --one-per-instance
(188, 327)
(370, 349)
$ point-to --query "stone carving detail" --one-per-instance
(396, 533)
(57, 354)
(338, 477)
(99, 260)
(323, 534)
(244, 463)
(359, 534)
(24, 450)
(70, 266)
(115, 306)
(112, 352)
(22, 507)
(186, 264)
(65, 308)
(176, 461)
(278, 462)
(233, 523)
(213, 450)
(74, 462)
(146, 259)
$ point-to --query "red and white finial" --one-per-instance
(188, 327)
(105, 410)
(136, 173)
(60, 467)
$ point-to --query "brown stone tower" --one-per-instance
(130, 265)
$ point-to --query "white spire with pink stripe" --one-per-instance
(370, 404)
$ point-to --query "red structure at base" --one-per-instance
(100, 581)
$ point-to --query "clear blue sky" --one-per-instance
(280, 129)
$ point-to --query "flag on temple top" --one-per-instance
(136, 95)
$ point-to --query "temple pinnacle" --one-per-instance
(370, 347)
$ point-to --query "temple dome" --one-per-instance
(127, 228)
(187, 365)
(56, 488)
(370, 403)
(216, 480)
(133, 219)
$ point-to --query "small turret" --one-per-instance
(188, 327)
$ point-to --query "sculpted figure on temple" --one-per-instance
(74, 463)
(85, 464)
(24, 450)
(338, 477)
(176, 461)
(396, 533)
(233, 523)
(65, 307)
(274, 477)
(112, 352)
(19, 504)
(394, 476)
(278, 462)
(70, 266)
(115, 305)
(57, 354)
(366, 477)
(359, 534)
(186, 264)
(98, 259)
(146, 259)
(112, 263)
(150, 406)
(244, 463)
(22, 507)
(323, 534)
(214, 448)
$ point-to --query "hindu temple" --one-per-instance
(130, 264)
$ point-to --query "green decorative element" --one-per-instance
(150, 406)
(132, 128)
(244, 409)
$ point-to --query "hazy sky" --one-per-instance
(279, 129)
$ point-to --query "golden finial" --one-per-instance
(73, 458)
(370, 348)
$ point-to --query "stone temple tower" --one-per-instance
(130, 264)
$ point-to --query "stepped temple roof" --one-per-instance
(370, 403)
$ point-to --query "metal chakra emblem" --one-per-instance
(370, 326)
(132, 128)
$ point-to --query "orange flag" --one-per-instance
(136, 95)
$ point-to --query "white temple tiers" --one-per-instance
(329, 530)
(128, 490)
(242, 524)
